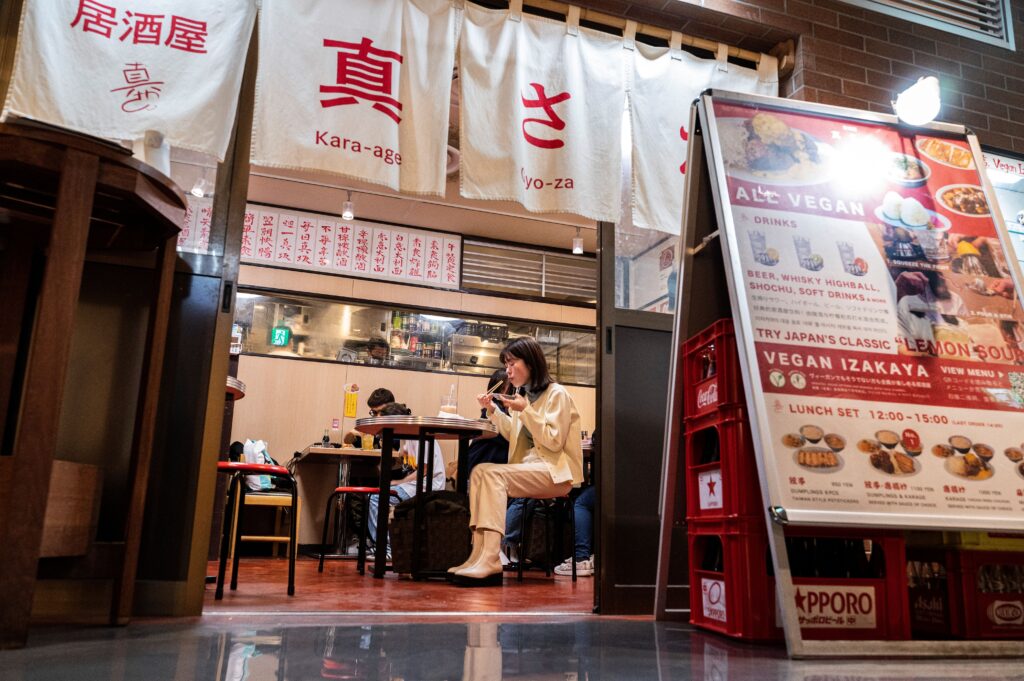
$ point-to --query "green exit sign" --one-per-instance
(280, 336)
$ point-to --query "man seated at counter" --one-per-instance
(377, 400)
(407, 452)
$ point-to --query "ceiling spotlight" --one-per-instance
(919, 104)
(347, 209)
(577, 243)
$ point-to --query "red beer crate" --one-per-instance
(992, 584)
(711, 370)
(728, 579)
(735, 595)
(935, 598)
(850, 608)
(721, 470)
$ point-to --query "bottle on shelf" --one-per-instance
(327, 438)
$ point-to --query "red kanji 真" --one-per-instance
(364, 72)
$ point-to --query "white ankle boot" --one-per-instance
(486, 570)
(478, 544)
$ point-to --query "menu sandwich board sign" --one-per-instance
(876, 300)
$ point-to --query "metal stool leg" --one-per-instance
(331, 501)
(292, 545)
(363, 532)
(549, 529)
(523, 539)
(238, 533)
(572, 530)
(225, 541)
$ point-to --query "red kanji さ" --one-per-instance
(542, 101)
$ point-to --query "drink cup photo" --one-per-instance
(449, 403)
(367, 442)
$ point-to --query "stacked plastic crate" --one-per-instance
(849, 584)
(971, 587)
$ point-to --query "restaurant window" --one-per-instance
(988, 21)
(302, 327)
(646, 267)
(528, 273)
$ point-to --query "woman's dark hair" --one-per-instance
(528, 349)
(396, 409)
(380, 396)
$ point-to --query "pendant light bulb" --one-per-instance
(202, 186)
(920, 103)
(577, 243)
(347, 209)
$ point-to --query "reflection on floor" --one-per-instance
(262, 586)
(253, 648)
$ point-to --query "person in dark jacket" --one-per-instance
(494, 449)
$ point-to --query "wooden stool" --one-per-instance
(280, 502)
(237, 499)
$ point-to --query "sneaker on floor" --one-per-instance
(584, 568)
(371, 554)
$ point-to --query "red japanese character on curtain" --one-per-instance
(95, 17)
(547, 104)
(364, 72)
(144, 29)
(139, 90)
(187, 35)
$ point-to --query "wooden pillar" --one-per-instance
(25, 474)
(142, 438)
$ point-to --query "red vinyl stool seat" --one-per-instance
(524, 538)
(365, 492)
(236, 497)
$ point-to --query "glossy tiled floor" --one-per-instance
(252, 647)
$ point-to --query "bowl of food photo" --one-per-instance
(907, 171)
(964, 199)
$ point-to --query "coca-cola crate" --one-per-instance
(721, 470)
(934, 593)
(711, 370)
(730, 598)
(992, 584)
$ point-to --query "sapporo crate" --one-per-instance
(736, 598)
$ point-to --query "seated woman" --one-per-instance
(545, 457)
(404, 487)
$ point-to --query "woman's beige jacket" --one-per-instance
(554, 422)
